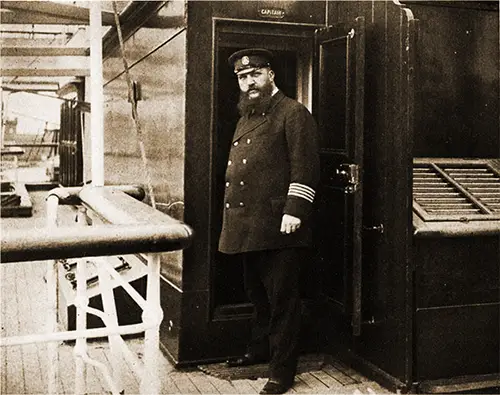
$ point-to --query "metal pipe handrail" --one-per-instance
(102, 240)
(70, 195)
(160, 233)
(21, 145)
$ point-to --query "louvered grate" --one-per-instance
(456, 190)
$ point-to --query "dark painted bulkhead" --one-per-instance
(417, 103)
(206, 333)
(445, 57)
(457, 93)
(457, 299)
(456, 306)
(384, 341)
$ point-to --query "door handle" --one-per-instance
(349, 173)
(375, 228)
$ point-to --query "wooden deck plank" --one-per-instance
(243, 387)
(316, 385)
(62, 384)
(34, 382)
(257, 384)
(3, 378)
(14, 373)
(10, 320)
(42, 357)
(66, 371)
(34, 276)
(300, 386)
(129, 380)
(93, 382)
(365, 388)
(30, 323)
(167, 385)
(4, 285)
(223, 386)
(202, 383)
(96, 382)
(183, 383)
(357, 377)
(338, 375)
(327, 380)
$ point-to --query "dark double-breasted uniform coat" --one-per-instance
(273, 169)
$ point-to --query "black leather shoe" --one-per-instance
(275, 387)
(246, 360)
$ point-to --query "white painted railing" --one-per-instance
(165, 234)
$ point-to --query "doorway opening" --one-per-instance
(292, 48)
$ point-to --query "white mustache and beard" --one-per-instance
(248, 105)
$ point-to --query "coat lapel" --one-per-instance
(248, 124)
(279, 96)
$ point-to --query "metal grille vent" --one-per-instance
(456, 190)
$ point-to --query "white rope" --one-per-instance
(135, 114)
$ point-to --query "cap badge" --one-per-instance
(245, 60)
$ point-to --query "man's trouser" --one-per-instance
(272, 285)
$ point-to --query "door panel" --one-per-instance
(70, 145)
(339, 108)
(333, 90)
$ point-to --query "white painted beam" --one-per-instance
(30, 87)
(43, 51)
(47, 12)
(48, 72)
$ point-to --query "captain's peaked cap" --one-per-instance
(247, 60)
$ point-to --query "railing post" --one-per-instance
(109, 306)
(52, 289)
(153, 314)
(81, 302)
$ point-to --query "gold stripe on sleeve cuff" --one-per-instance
(302, 191)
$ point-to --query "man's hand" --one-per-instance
(289, 224)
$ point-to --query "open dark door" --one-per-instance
(71, 145)
(339, 110)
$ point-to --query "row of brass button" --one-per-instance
(237, 142)
(242, 183)
(241, 205)
(230, 162)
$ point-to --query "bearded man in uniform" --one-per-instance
(271, 179)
